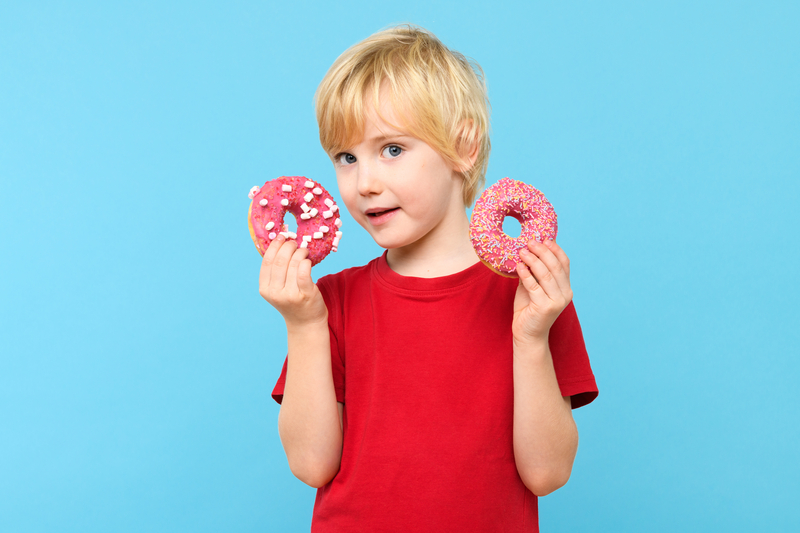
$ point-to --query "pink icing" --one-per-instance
(511, 198)
(273, 191)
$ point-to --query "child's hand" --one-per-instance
(544, 291)
(285, 282)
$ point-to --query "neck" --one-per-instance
(447, 252)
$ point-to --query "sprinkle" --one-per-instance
(307, 238)
(305, 216)
(317, 234)
(338, 223)
(308, 197)
(272, 235)
(335, 242)
(334, 208)
(309, 184)
(324, 229)
(338, 234)
(285, 234)
(284, 202)
(317, 191)
(328, 202)
(254, 191)
(286, 188)
(304, 244)
(313, 212)
(269, 226)
(327, 214)
(263, 202)
(305, 208)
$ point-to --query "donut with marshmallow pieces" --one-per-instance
(318, 222)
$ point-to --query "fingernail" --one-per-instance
(524, 251)
(549, 242)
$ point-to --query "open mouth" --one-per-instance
(376, 214)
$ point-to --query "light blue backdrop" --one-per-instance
(138, 358)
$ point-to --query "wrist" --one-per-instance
(305, 326)
(531, 346)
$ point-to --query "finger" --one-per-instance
(527, 279)
(554, 266)
(542, 274)
(294, 263)
(559, 253)
(268, 259)
(274, 246)
(281, 264)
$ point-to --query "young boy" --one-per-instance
(422, 392)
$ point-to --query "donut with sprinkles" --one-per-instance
(318, 222)
(509, 198)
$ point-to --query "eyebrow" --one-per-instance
(384, 137)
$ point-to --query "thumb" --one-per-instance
(304, 281)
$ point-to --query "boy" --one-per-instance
(422, 392)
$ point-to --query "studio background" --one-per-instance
(137, 358)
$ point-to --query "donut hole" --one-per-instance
(291, 222)
(512, 226)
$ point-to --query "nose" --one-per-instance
(368, 180)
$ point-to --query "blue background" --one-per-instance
(138, 358)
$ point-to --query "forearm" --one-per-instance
(545, 434)
(308, 422)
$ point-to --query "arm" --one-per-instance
(309, 422)
(545, 434)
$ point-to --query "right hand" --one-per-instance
(285, 282)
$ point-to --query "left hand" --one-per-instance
(543, 292)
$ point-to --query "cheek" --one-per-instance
(429, 193)
(345, 191)
(348, 196)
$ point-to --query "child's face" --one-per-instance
(398, 187)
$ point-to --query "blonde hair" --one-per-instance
(439, 94)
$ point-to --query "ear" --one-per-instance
(467, 145)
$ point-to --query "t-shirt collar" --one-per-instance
(467, 276)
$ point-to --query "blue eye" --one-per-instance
(346, 159)
(392, 151)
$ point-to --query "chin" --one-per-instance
(389, 243)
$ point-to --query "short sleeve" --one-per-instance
(333, 304)
(570, 359)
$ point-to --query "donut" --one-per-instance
(509, 198)
(318, 222)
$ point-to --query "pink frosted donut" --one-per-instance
(318, 222)
(509, 198)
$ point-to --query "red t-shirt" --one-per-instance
(424, 370)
